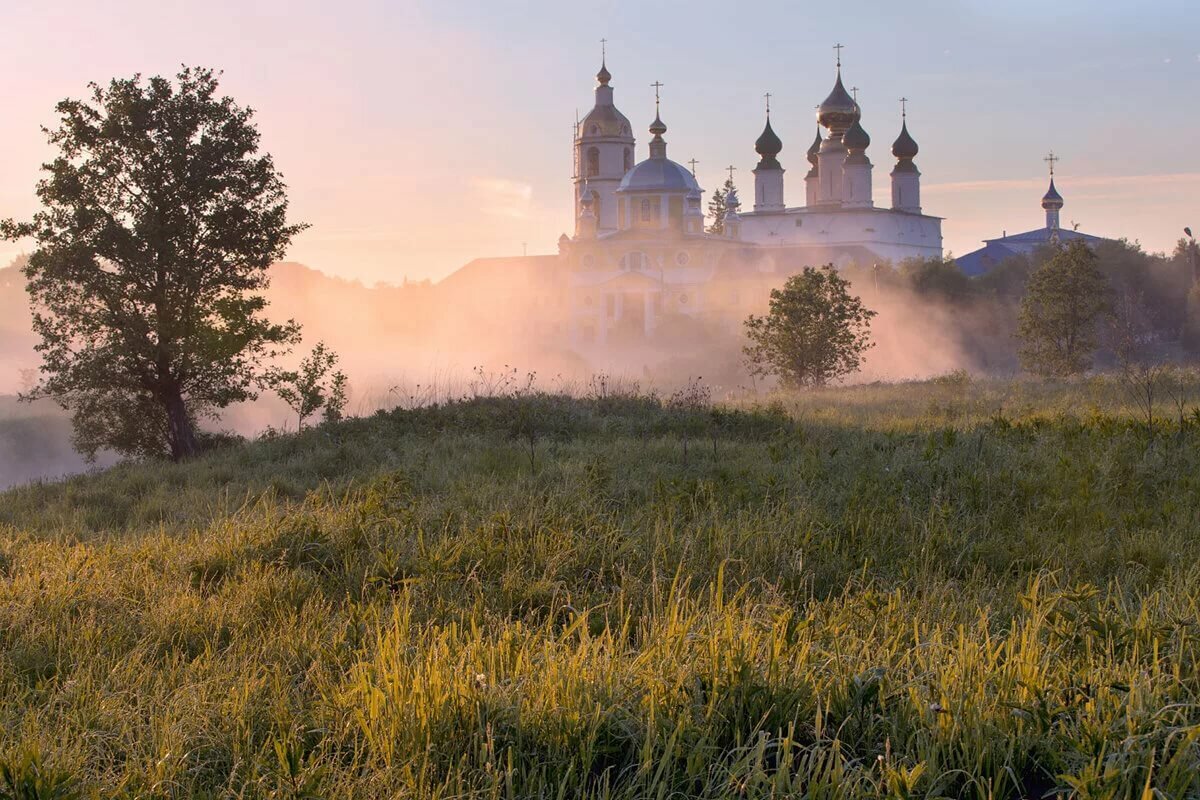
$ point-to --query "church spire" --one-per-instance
(603, 76)
(604, 148)
(906, 178)
(658, 145)
(768, 144)
(768, 175)
(1052, 201)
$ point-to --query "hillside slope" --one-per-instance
(943, 589)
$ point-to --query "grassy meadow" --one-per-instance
(956, 588)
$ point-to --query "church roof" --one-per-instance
(838, 111)
(905, 147)
(658, 174)
(1052, 199)
(994, 251)
(1042, 236)
(608, 121)
(768, 145)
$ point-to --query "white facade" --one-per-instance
(891, 235)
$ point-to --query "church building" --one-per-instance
(640, 253)
(997, 250)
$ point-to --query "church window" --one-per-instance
(799, 222)
(628, 159)
(647, 213)
(682, 258)
(588, 260)
(594, 130)
(587, 301)
(683, 299)
(635, 260)
(593, 162)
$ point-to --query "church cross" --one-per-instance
(731, 169)
(603, 50)
(903, 107)
(854, 91)
(838, 47)
(1050, 159)
(768, 96)
(657, 85)
(693, 162)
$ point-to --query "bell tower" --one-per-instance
(604, 149)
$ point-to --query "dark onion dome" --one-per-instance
(839, 111)
(1052, 199)
(856, 137)
(905, 147)
(658, 127)
(768, 146)
(603, 75)
(815, 149)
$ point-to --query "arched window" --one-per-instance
(647, 211)
(594, 130)
(628, 159)
(593, 162)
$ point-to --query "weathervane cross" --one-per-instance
(1050, 159)
(838, 47)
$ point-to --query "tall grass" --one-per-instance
(949, 589)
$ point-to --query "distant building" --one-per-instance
(640, 258)
(640, 252)
(995, 251)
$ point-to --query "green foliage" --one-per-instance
(26, 777)
(814, 333)
(1065, 299)
(937, 278)
(1191, 330)
(314, 387)
(959, 588)
(159, 219)
(717, 207)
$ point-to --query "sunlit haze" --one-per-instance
(417, 136)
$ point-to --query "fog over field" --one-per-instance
(495, 327)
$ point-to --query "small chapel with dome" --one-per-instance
(640, 255)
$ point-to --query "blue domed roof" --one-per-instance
(658, 175)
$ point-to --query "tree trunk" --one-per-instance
(180, 433)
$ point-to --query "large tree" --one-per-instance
(814, 332)
(159, 219)
(1064, 301)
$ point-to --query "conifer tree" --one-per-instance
(716, 212)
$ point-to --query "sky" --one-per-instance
(415, 136)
